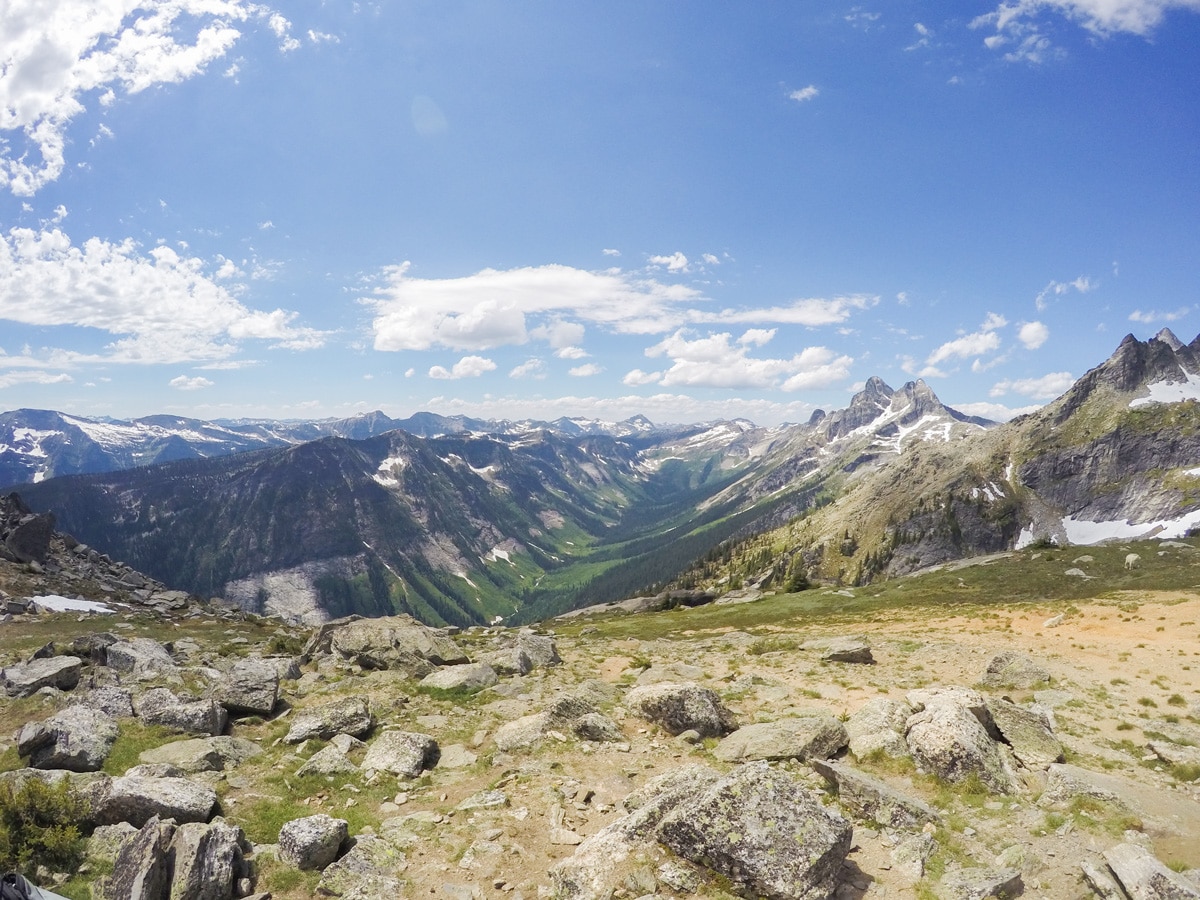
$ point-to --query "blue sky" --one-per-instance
(688, 210)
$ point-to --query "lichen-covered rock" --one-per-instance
(210, 754)
(371, 868)
(540, 648)
(26, 679)
(395, 642)
(799, 737)
(1144, 877)
(404, 753)
(139, 656)
(159, 706)
(138, 798)
(1015, 670)
(1027, 732)
(351, 715)
(312, 842)
(763, 830)
(977, 883)
(679, 707)
(870, 800)
(207, 861)
(843, 649)
(328, 761)
(947, 739)
(78, 738)
(250, 687)
(879, 725)
(142, 870)
(467, 677)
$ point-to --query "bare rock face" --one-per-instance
(682, 707)
(764, 831)
(312, 842)
(77, 739)
(350, 716)
(141, 870)
(26, 679)
(801, 737)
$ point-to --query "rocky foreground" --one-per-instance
(1023, 752)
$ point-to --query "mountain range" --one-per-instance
(462, 521)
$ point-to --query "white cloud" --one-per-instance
(977, 343)
(60, 55)
(1100, 17)
(710, 259)
(467, 367)
(493, 307)
(27, 376)
(805, 93)
(608, 251)
(1083, 284)
(719, 361)
(162, 307)
(637, 377)
(571, 353)
(586, 370)
(559, 333)
(183, 383)
(924, 34)
(813, 311)
(1045, 388)
(1153, 316)
(1033, 334)
(676, 262)
(532, 368)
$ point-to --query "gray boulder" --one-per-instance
(879, 725)
(210, 754)
(679, 707)
(402, 753)
(801, 737)
(870, 800)
(570, 713)
(468, 677)
(949, 740)
(1065, 782)
(672, 671)
(350, 716)
(207, 861)
(508, 661)
(29, 540)
(1145, 878)
(250, 688)
(371, 868)
(26, 679)
(110, 699)
(761, 829)
(540, 648)
(159, 706)
(142, 870)
(1027, 732)
(1015, 670)
(312, 842)
(328, 760)
(980, 883)
(136, 799)
(78, 738)
(844, 650)
(395, 642)
(139, 657)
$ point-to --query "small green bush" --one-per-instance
(39, 826)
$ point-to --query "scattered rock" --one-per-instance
(250, 688)
(139, 657)
(210, 754)
(79, 739)
(844, 650)
(948, 739)
(159, 706)
(1015, 670)
(138, 798)
(312, 842)
(467, 677)
(395, 642)
(979, 883)
(679, 707)
(371, 868)
(1027, 732)
(870, 800)
(801, 737)
(26, 679)
(350, 716)
(402, 753)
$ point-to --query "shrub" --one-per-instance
(39, 826)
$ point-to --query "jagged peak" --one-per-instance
(1167, 336)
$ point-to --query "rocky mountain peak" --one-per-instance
(1168, 337)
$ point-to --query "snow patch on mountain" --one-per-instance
(1171, 391)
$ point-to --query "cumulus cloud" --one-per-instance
(28, 376)
(637, 378)
(676, 262)
(977, 343)
(493, 308)
(997, 412)
(162, 307)
(719, 360)
(1033, 334)
(184, 383)
(812, 312)
(69, 53)
(1153, 316)
(1045, 388)
(571, 353)
(467, 367)
(805, 93)
(586, 370)
(531, 368)
(1083, 284)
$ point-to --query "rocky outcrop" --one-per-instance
(947, 737)
(312, 842)
(801, 737)
(402, 753)
(25, 679)
(159, 706)
(138, 798)
(394, 642)
(77, 739)
(249, 688)
(351, 716)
